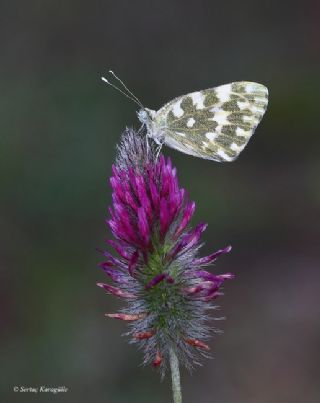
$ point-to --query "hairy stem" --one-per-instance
(175, 376)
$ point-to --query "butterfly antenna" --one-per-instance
(126, 88)
(122, 92)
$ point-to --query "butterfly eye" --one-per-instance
(143, 116)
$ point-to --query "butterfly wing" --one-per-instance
(215, 123)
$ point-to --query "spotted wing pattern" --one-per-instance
(215, 123)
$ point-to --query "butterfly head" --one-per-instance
(146, 116)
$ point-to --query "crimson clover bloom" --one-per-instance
(156, 269)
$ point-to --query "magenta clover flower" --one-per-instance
(157, 270)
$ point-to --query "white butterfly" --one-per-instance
(214, 124)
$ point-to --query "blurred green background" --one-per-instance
(59, 127)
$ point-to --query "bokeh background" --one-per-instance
(59, 126)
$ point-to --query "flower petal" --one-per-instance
(211, 258)
(188, 240)
(133, 263)
(157, 361)
(126, 317)
(156, 280)
(116, 291)
(188, 213)
(197, 343)
(119, 248)
(143, 226)
(115, 275)
(164, 217)
(143, 335)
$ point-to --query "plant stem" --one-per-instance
(175, 376)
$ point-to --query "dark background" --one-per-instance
(59, 127)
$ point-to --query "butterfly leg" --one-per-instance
(158, 151)
(147, 146)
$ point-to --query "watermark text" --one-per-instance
(40, 389)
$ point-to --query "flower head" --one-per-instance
(157, 269)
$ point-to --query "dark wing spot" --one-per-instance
(210, 98)
(230, 106)
(187, 105)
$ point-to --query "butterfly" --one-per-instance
(214, 124)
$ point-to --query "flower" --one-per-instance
(157, 271)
